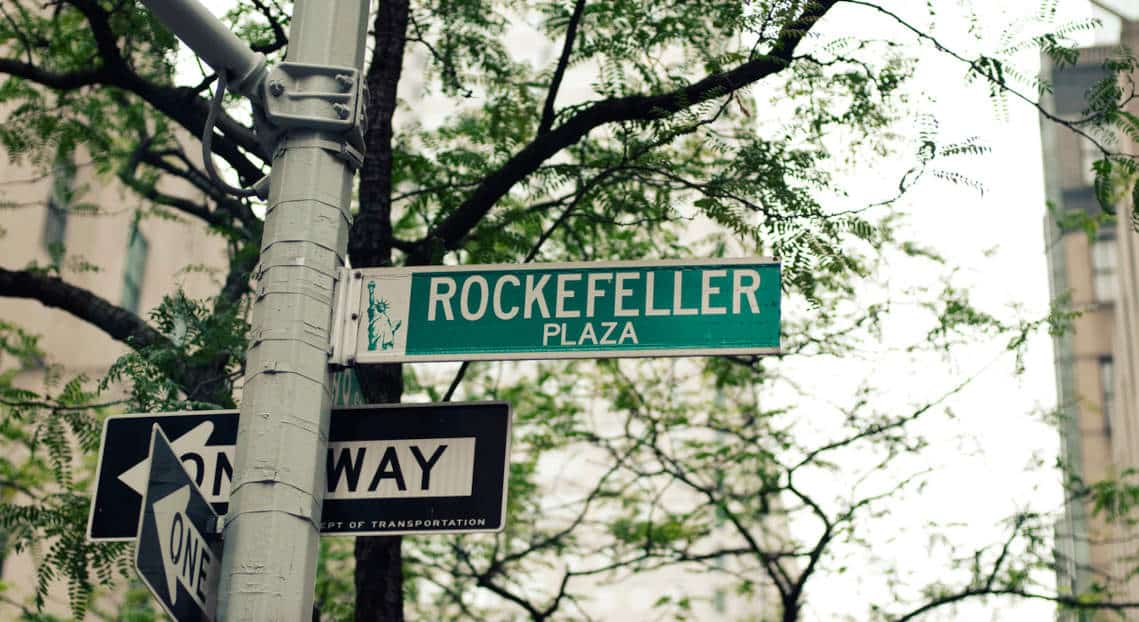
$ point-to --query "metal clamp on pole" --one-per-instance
(343, 150)
(317, 97)
(292, 96)
(326, 98)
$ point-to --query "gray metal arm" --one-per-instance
(212, 40)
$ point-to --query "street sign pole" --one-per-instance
(309, 113)
(272, 529)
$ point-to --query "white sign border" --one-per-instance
(359, 274)
(505, 466)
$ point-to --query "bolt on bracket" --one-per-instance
(313, 97)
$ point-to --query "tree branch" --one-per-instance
(280, 39)
(779, 575)
(876, 429)
(17, 31)
(189, 110)
(449, 233)
(204, 383)
(116, 322)
(179, 103)
(99, 19)
(506, 594)
(1068, 601)
(559, 72)
(233, 208)
(975, 66)
(61, 81)
(152, 194)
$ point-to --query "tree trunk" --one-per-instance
(379, 566)
(379, 561)
(379, 579)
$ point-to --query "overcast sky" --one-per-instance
(997, 241)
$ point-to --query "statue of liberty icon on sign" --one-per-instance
(381, 331)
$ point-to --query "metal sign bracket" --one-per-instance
(345, 317)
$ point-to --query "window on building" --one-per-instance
(720, 601)
(137, 250)
(55, 224)
(1089, 153)
(719, 596)
(1107, 384)
(1104, 282)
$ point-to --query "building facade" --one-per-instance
(104, 239)
(1097, 274)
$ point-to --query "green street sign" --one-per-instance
(558, 311)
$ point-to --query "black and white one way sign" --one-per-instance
(175, 554)
(424, 468)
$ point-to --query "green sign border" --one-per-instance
(356, 300)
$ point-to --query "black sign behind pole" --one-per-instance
(392, 469)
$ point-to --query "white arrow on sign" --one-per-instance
(186, 557)
(440, 467)
(193, 443)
